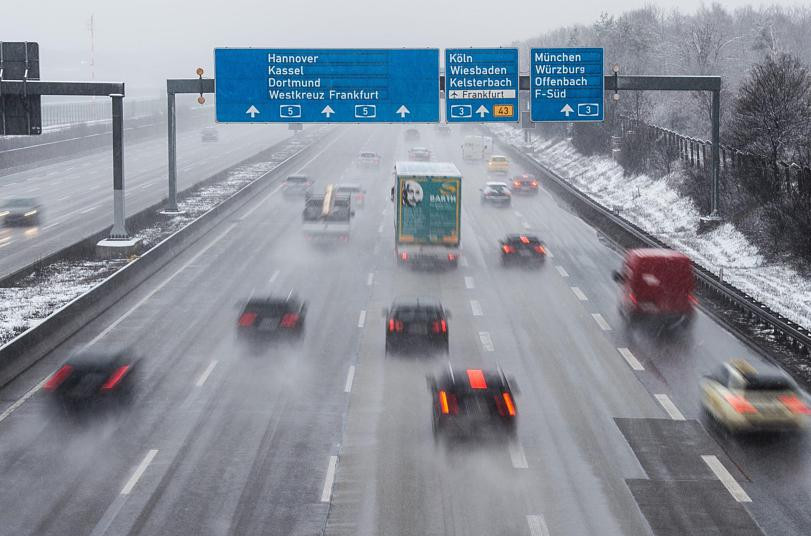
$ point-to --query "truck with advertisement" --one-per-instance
(477, 147)
(326, 218)
(428, 199)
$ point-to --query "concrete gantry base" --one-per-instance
(708, 223)
(116, 248)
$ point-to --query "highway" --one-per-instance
(76, 193)
(329, 436)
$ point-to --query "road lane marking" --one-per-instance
(537, 525)
(204, 376)
(726, 478)
(548, 252)
(274, 276)
(5, 239)
(463, 261)
(670, 407)
(476, 307)
(469, 283)
(63, 198)
(349, 377)
(139, 471)
(487, 342)
(370, 279)
(517, 214)
(90, 209)
(380, 228)
(601, 321)
(579, 293)
(362, 319)
(22, 399)
(561, 270)
(517, 455)
(630, 359)
(326, 493)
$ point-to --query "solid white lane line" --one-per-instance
(362, 319)
(630, 359)
(487, 342)
(139, 471)
(4, 245)
(22, 399)
(670, 407)
(469, 283)
(548, 252)
(579, 293)
(601, 321)
(370, 279)
(537, 525)
(204, 376)
(517, 455)
(476, 307)
(5, 239)
(326, 493)
(89, 209)
(561, 270)
(463, 261)
(274, 276)
(349, 377)
(726, 478)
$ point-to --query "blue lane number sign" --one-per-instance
(567, 84)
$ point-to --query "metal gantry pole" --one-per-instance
(172, 130)
(716, 160)
(119, 231)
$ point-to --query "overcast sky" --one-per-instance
(142, 42)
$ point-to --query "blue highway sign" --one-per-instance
(567, 84)
(255, 85)
(481, 84)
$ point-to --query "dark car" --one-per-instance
(416, 323)
(297, 186)
(273, 316)
(93, 379)
(24, 211)
(473, 404)
(209, 134)
(496, 193)
(525, 184)
(522, 248)
(412, 134)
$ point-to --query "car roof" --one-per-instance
(348, 186)
(472, 380)
(98, 359)
(657, 253)
(495, 183)
(419, 148)
(368, 153)
(530, 237)
(426, 169)
(498, 156)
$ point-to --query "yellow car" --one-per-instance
(498, 164)
(742, 398)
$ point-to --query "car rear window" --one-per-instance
(269, 308)
(768, 383)
(368, 155)
(416, 314)
(525, 240)
(297, 179)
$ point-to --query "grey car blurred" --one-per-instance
(21, 211)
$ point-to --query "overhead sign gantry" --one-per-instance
(481, 85)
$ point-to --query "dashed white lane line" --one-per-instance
(463, 261)
(726, 478)
(380, 228)
(561, 270)
(326, 493)
(5, 239)
(549, 252)
(350, 376)
(601, 321)
(88, 209)
(630, 359)
(670, 407)
(63, 198)
(579, 293)
(469, 283)
(206, 373)
(5, 244)
(487, 342)
(362, 319)
(476, 307)
(537, 525)
(517, 456)
(274, 276)
(370, 279)
(139, 471)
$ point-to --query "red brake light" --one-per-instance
(740, 404)
(404, 255)
(524, 240)
(451, 257)
(247, 319)
(476, 379)
(534, 183)
(516, 183)
(508, 401)
(115, 378)
(692, 299)
(440, 326)
(289, 320)
(794, 404)
(540, 249)
(507, 248)
(632, 297)
(395, 325)
(58, 377)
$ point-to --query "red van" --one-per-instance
(657, 284)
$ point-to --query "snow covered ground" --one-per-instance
(656, 206)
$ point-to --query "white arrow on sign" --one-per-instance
(402, 110)
(567, 110)
(253, 111)
(328, 111)
(482, 110)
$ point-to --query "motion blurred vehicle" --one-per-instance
(412, 134)
(419, 154)
(297, 186)
(522, 249)
(656, 285)
(354, 190)
(476, 147)
(496, 193)
(209, 134)
(525, 184)
(416, 324)
(368, 159)
(473, 403)
(743, 398)
(443, 130)
(272, 316)
(21, 211)
(498, 164)
(327, 218)
(93, 379)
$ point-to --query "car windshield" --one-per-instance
(297, 179)
(498, 188)
(20, 202)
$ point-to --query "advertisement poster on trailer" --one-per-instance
(428, 211)
(567, 84)
(255, 85)
(481, 85)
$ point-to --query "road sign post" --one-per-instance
(567, 84)
(257, 85)
(481, 85)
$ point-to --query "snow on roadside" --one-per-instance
(656, 206)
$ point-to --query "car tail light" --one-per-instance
(476, 379)
(794, 404)
(632, 298)
(539, 249)
(58, 378)
(535, 184)
(451, 257)
(508, 402)
(517, 184)
(692, 299)
(508, 249)
(404, 255)
(247, 319)
(740, 404)
(289, 320)
(524, 240)
(115, 378)
(439, 326)
(395, 325)
(448, 404)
